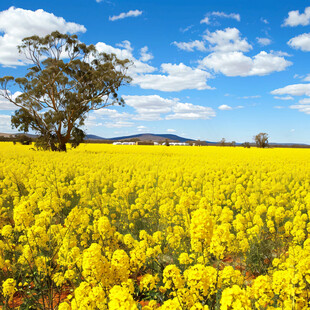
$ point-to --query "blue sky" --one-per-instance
(201, 69)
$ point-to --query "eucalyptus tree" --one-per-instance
(65, 80)
(261, 140)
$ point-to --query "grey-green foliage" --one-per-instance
(66, 80)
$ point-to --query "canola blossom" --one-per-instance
(154, 227)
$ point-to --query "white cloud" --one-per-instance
(296, 90)
(225, 107)
(228, 58)
(293, 90)
(178, 77)
(264, 20)
(118, 124)
(307, 78)
(224, 15)
(126, 52)
(171, 130)
(304, 101)
(227, 40)
(304, 108)
(295, 18)
(109, 118)
(265, 63)
(263, 41)
(152, 108)
(191, 112)
(237, 64)
(206, 20)
(111, 114)
(191, 46)
(279, 107)
(284, 98)
(5, 123)
(301, 42)
(131, 13)
(141, 128)
(280, 53)
(145, 55)
(16, 24)
(6, 104)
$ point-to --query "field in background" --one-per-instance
(131, 227)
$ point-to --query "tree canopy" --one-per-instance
(261, 139)
(66, 80)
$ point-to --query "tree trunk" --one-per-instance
(62, 147)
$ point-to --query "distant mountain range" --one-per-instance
(143, 137)
(156, 138)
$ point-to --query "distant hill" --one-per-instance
(143, 137)
(153, 137)
(94, 137)
(7, 135)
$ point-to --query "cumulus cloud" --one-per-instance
(125, 51)
(304, 101)
(225, 107)
(145, 55)
(16, 24)
(295, 18)
(176, 77)
(131, 13)
(190, 46)
(151, 108)
(172, 77)
(227, 54)
(6, 105)
(191, 111)
(227, 40)
(111, 114)
(304, 108)
(263, 41)
(224, 15)
(301, 42)
(296, 90)
(5, 123)
(293, 90)
(110, 118)
(238, 64)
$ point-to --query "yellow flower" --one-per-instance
(9, 288)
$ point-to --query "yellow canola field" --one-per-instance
(154, 227)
